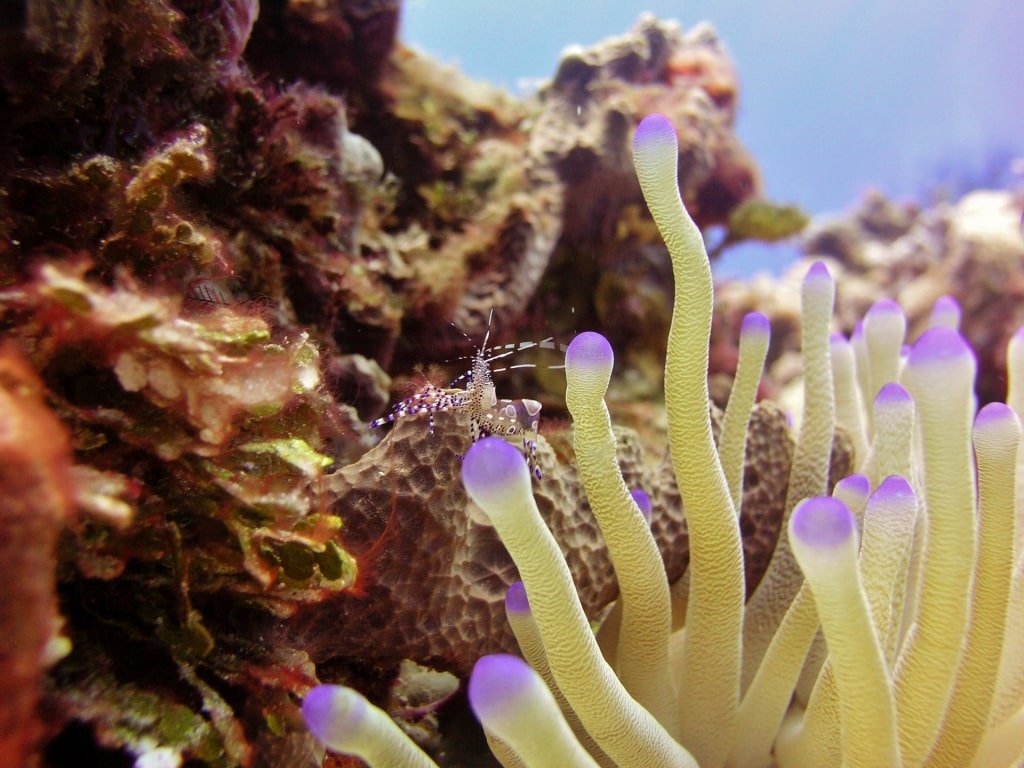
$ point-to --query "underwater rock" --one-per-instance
(342, 44)
(489, 189)
(94, 61)
(224, 185)
(474, 210)
(610, 268)
(599, 94)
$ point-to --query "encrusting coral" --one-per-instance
(426, 555)
(915, 581)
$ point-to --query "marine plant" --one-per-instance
(912, 570)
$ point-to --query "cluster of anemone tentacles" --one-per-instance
(887, 630)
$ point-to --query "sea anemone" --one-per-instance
(911, 571)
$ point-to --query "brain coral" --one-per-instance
(432, 571)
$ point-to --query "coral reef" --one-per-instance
(497, 192)
(344, 45)
(218, 180)
(610, 257)
(222, 226)
(158, 258)
(970, 250)
(196, 438)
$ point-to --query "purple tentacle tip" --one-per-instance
(496, 681)
(653, 129)
(516, 600)
(892, 394)
(883, 307)
(590, 355)
(940, 345)
(755, 322)
(644, 502)
(995, 419)
(946, 311)
(994, 412)
(491, 466)
(858, 485)
(589, 349)
(822, 522)
(331, 712)
(818, 271)
(894, 488)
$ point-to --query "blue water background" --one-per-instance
(917, 98)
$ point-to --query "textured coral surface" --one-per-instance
(433, 574)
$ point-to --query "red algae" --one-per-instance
(37, 491)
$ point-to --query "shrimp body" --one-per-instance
(516, 421)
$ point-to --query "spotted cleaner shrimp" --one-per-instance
(517, 421)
